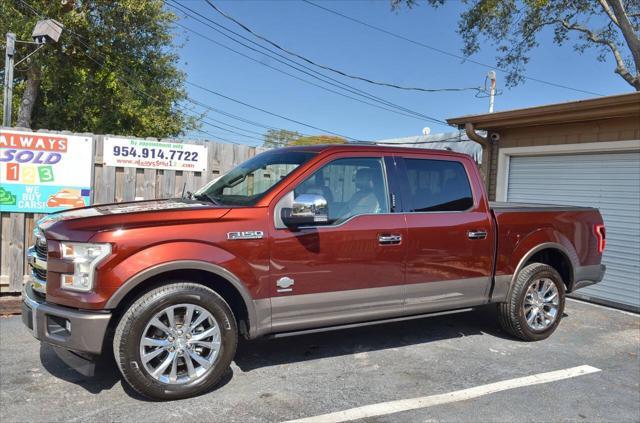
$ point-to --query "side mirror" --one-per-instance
(307, 210)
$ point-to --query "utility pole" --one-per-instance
(8, 78)
(492, 90)
(45, 31)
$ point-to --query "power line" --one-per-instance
(441, 51)
(181, 109)
(267, 111)
(294, 76)
(331, 69)
(128, 84)
(288, 62)
(208, 90)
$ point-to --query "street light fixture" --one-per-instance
(45, 32)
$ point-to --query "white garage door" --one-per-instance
(608, 181)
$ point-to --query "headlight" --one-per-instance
(85, 258)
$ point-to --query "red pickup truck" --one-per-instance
(296, 240)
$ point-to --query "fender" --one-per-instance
(135, 269)
(524, 250)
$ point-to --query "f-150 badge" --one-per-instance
(245, 235)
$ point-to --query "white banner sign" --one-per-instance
(128, 152)
(43, 172)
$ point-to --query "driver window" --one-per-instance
(351, 187)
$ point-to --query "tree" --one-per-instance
(319, 139)
(114, 69)
(275, 138)
(610, 27)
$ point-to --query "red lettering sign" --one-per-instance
(36, 142)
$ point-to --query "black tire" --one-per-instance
(511, 313)
(126, 341)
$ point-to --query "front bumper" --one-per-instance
(71, 329)
(588, 275)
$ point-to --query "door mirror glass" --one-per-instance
(307, 209)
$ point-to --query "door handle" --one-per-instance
(477, 234)
(389, 239)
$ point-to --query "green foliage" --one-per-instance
(610, 27)
(319, 139)
(280, 138)
(134, 41)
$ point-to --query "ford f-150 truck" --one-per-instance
(295, 240)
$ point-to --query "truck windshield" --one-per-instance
(248, 182)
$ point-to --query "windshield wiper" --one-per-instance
(207, 197)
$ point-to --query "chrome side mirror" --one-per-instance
(307, 209)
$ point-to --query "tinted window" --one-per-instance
(351, 187)
(247, 183)
(438, 185)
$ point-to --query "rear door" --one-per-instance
(450, 239)
(352, 268)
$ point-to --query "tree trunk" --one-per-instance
(630, 36)
(29, 96)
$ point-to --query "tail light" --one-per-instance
(601, 236)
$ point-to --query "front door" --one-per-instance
(350, 269)
(450, 240)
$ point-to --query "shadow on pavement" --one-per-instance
(106, 374)
(271, 352)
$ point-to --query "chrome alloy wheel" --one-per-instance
(541, 304)
(180, 343)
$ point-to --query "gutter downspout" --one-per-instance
(473, 135)
(470, 130)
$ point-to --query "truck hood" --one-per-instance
(81, 224)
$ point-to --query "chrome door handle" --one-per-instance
(477, 234)
(389, 239)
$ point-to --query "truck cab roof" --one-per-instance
(334, 148)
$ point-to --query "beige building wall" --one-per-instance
(604, 130)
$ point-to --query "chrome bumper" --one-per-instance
(80, 331)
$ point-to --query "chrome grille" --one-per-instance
(37, 256)
(39, 273)
(41, 249)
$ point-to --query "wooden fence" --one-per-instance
(114, 184)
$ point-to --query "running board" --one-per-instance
(368, 323)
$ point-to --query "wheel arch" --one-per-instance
(552, 254)
(219, 279)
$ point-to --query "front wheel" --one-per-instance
(535, 305)
(175, 341)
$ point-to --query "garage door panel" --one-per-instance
(608, 181)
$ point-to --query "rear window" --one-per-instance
(438, 185)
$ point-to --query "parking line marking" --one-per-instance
(397, 406)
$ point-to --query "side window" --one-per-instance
(438, 185)
(351, 186)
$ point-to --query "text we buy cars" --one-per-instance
(43, 173)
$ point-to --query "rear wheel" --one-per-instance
(535, 304)
(175, 341)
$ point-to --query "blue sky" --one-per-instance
(334, 41)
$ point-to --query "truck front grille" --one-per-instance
(41, 249)
(37, 256)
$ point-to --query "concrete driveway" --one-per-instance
(312, 375)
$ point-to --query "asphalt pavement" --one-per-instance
(313, 375)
